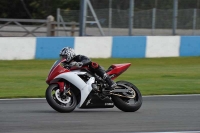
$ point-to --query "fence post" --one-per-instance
(175, 15)
(83, 5)
(73, 26)
(50, 26)
(131, 17)
(110, 17)
(153, 20)
(58, 20)
(194, 21)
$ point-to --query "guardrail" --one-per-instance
(112, 47)
(31, 27)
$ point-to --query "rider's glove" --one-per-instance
(76, 64)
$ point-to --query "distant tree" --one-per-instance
(43, 8)
(36, 9)
(12, 9)
(40, 9)
(184, 4)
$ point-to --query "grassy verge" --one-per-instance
(153, 76)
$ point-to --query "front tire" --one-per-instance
(60, 103)
(128, 104)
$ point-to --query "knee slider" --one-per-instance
(94, 65)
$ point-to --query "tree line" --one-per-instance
(40, 9)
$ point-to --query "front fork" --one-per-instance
(64, 88)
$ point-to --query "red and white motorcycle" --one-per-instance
(71, 87)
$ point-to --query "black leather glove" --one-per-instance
(76, 64)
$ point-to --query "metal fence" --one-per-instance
(146, 22)
(36, 27)
(113, 22)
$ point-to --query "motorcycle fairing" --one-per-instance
(95, 101)
(56, 69)
(85, 88)
(117, 69)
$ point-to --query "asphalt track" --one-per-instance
(157, 114)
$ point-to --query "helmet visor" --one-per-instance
(68, 59)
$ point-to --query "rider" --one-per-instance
(81, 60)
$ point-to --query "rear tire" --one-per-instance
(123, 104)
(62, 105)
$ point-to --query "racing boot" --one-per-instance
(110, 82)
(101, 72)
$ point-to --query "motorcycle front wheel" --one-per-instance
(63, 103)
(129, 101)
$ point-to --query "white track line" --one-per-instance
(172, 95)
(21, 99)
(169, 132)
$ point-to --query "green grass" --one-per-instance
(153, 76)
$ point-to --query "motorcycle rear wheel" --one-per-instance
(59, 103)
(124, 103)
